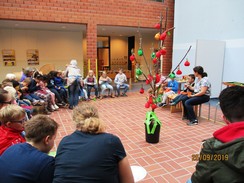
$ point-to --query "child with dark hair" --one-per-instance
(183, 94)
(28, 162)
(224, 150)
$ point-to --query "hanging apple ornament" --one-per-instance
(132, 58)
(163, 51)
(140, 52)
(163, 36)
(187, 63)
(158, 54)
(179, 72)
(147, 105)
(142, 89)
(155, 60)
(157, 26)
(154, 106)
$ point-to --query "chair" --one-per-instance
(200, 110)
(215, 113)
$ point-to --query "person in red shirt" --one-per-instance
(12, 118)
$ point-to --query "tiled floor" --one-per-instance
(170, 160)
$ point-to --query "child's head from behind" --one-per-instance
(86, 118)
(5, 98)
(232, 103)
(13, 116)
(41, 129)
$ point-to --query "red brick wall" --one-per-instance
(93, 13)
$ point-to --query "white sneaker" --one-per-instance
(52, 107)
(55, 106)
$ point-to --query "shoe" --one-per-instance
(35, 102)
(71, 107)
(41, 102)
(162, 104)
(184, 118)
(124, 95)
(112, 96)
(56, 107)
(172, 104)
(193, 122)
(47, 112)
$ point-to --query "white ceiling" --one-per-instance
(101, 30)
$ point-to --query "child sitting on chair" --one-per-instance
(171, 88)
(183, 94)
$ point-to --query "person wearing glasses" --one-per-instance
(12, 118)
(28, 162)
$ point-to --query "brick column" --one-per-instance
(91, 38)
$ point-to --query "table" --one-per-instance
(234, 83)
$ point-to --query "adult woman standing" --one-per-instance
(201, 94)
(73, 82)
(89, 154)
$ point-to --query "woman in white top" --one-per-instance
(74, 78)
(201, 94)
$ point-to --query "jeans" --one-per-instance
(125, 86)
(188, 104)
(179, 98)
(74, 89)
(105, 87)
(31, 96)
(89, 87)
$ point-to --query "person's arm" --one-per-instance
(175, 86)
(47, 173)
(202, 92)
(125, 173)
(116, 80)
(95, 80)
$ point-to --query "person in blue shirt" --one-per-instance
(171, 88)
(90, 154)
(29, 162)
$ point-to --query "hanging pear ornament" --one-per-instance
(157, 36)
(187, 63)
(157, 26)
(163, 36)
(179, 72)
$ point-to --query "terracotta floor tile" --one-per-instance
(167, 161)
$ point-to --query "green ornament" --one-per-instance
(153, 55)
(138, 71)
(168, 33)
(140, 52)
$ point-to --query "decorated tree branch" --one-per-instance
(154, 76)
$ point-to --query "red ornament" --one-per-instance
(141, 90)
(158, 54)
(163, 52)
(163, 36)
(147, 81)
(154, 106)
(179, 72)
(150, 77)
(187, 63)
(157, 79)
(150, 100)
(132, 58)
(147, 105)
(157, 26)
(155, 60)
